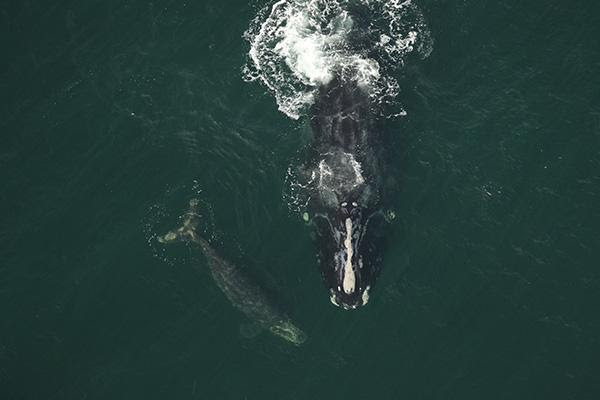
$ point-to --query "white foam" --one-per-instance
(298, 45)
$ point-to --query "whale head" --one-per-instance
(288, 331)
(347, 253)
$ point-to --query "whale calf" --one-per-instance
(242, 292)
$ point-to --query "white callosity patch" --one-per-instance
(333, 299)
(296, 46)
(365, 295)
(349, 275)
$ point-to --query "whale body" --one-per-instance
(242, 292)
(346, 201)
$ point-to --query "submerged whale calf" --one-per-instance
(346, 200)
(243, 293)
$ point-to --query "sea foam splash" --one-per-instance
(298, 45)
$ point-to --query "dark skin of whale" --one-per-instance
(345, 154)
(242, 292)
(341, 119)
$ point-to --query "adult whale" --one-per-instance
(346, 200)
(341, 58)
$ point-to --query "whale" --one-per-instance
(242, 292)
(346, 206)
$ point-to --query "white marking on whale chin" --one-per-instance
(349, 277)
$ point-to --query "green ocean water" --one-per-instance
(115, 114)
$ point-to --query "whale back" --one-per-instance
(341, 117)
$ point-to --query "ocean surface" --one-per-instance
(114, 114)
